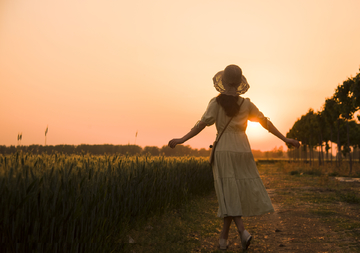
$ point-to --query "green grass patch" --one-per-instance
(294, 172)
(318, 197)
(334, 174)
(343, 223)
(324, 212)
(350, 197)
(313, 172)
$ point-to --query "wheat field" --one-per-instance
(83, 203)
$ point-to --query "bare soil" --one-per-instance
(285, 230)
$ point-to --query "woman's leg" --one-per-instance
(245, 236)
(239, 224)
(225, 231)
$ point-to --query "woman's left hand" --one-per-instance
(174, 142)
(293, 142)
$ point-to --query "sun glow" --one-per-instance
(254, 125)
(255, 131)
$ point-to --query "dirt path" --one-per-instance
(285, 230)
(312, 214)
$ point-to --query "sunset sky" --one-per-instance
(97, 72)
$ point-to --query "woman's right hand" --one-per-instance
(175, 142)
(293, 142)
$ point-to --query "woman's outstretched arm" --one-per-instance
(272, 129)
(194, 131)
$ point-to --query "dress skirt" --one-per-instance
(239, 188)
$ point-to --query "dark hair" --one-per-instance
(229, 103)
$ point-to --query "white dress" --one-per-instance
(238, 186)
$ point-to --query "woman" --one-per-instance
(239, 189)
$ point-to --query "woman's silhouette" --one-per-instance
(239, 189)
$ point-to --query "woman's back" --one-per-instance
(234, 137)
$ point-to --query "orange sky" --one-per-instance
(98, 71)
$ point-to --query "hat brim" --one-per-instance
(219, 86)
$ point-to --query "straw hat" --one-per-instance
(231, 81)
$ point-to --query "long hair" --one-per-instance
(229, 103)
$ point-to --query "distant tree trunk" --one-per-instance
(298, 153)
(331, 135)
(312, 155)
(321, 150)
(327, 151)
(338, 155)
(348, 144)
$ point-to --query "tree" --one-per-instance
(311, 126)
(304, 131)
(295, 133)
(347, 107)
(332, 116)
(356, 89)
(321, 132)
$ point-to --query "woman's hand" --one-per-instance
(293, 142)
(194, 131)
(175, 142)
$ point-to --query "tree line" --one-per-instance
(102, 149)
(334, 123)
(110, 149)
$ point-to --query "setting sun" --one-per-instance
(254, 125)
(257, 135)
(255, 130)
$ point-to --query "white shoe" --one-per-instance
(245, 239)
(223, 243)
